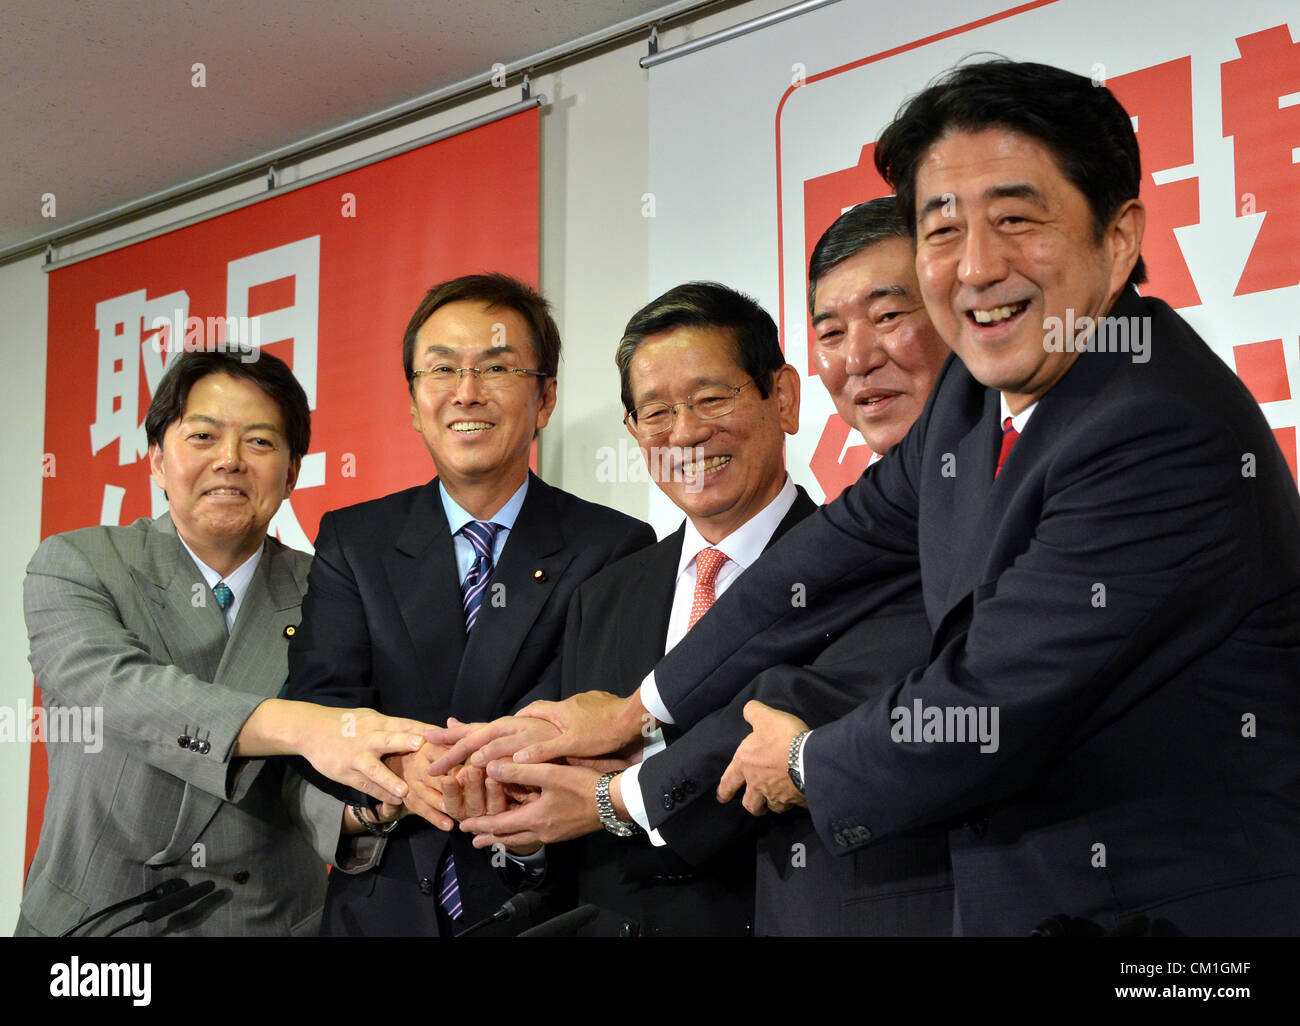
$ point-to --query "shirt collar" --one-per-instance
(746, 543)
(237, 580)
(1019, 420)
(505, 516)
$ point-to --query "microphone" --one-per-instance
(1064, 925)
(1053, 926)
(172, 903)
(1137, 926)
(567, 924)
(519, 906)
(161, 890)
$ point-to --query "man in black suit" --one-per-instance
(1109, 542)
(709, 399)
(878, 355)
(450, 598)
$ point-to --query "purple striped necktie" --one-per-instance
(481, 535)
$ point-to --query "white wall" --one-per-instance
(594, 267)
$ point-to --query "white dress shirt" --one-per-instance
(237, 580)
(742, 547)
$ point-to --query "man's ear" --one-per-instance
(295, 465)
(546, 404)
(156, 466)
(1123, 241)
(785, 387)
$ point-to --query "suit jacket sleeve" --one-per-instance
(83, 654)
(1137, 565)
(840, 565)
(563, 677)
(680, 783)
(329, 659)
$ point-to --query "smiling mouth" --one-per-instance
(702, 468)
(875, 402)
(470, 427)
(226, 491)
(997, 314)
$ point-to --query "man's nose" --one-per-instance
(983, 260)
(688, 428)
(468, 387)
(230, 453)
(863, 352)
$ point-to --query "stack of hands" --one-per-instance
(530, 779)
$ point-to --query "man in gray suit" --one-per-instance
(172, 634)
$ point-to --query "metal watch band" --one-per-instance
(605, 809)
(371, 823)
(796, 746)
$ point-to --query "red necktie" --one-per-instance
(707, 565)
(1009, 436)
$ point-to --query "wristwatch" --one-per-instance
(796, 747)
(372, 822)
(605, 808)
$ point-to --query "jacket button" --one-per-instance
(688, 786)
(195, 744)
(183, 740)
(205, 747)
(426, 885)
(679, 795)
(241, 877)
(668, 801)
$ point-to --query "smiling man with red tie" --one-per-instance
(709, 399)
(1108, 716)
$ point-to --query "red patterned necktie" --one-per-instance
(707, 565)
(1009, 436)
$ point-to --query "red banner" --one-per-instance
(325, 277)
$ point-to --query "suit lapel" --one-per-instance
(972, 519)
(641, 639)
(271, 604)
(190, 626)
(802, 507)
(984, 508)
(423, 576)
(531, 565)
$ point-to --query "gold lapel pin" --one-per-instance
(539, 575)
(291, 630)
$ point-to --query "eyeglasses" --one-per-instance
(496, 376)
(706, 403)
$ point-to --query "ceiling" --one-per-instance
(100, 107)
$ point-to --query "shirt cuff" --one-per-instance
(533, 866)
(654, 705)
(630, 789)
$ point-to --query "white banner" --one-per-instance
(757, 144)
